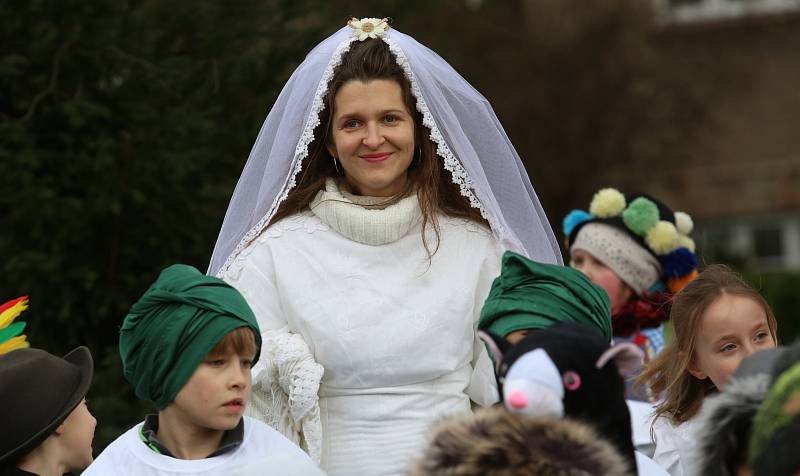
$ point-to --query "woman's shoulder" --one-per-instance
(464, 225)
(303, 222)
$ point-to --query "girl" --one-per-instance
(719, 320)
(640, 252)
(365, 233)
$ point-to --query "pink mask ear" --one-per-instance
(627, 357)
(494, 351)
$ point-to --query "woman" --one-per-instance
(365, 232)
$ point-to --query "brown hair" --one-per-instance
(495, 442)
(240, 341)
(668, 373)
(369, 60)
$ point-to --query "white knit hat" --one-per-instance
(615, 248)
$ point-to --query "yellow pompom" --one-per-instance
(608, 202)
(683, 222)
(686, 242)
(663, 238)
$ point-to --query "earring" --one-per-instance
(336, 166)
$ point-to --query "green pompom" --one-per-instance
(640, 216)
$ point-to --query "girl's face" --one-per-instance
(601, 275)
(372, 136)
(732, 328)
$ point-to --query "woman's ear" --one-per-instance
(692, 368)
(331, 148)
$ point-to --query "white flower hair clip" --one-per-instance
(368, 27)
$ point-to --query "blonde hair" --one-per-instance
(240, 341)
(667, 374)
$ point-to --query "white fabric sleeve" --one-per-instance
(482, 389)
(286, 378)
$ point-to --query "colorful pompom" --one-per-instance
(608, 202)
(683, 222)
(657, 287)
(641, 215)
(573, 219)
(686, 242)
(678, 263)
(676, 284)
(662, 238)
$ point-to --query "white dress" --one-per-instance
(675, 446)
(262, 447)
(393, 331)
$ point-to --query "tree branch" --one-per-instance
(53, 81)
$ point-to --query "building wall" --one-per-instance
(740, 176)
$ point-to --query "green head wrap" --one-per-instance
(531, 295)
(173, 327)
(779, 410)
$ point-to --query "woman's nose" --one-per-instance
(374, 137)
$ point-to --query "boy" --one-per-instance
(47, 428)
(187, 346)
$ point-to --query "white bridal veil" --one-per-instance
(470, 141)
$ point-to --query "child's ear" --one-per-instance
(692, 367)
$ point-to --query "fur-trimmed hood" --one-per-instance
(494, 442)
(726, 420)
(727, 417)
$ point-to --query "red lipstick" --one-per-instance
(374, 158)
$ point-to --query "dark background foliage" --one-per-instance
(124, 126)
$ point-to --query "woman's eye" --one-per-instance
(390, 119)
(350, 124)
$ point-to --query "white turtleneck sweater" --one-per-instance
(351, 291)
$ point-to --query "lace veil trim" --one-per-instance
(451, 163)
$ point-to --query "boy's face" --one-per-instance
(215, 395)
(76, 435)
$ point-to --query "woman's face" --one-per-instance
(603, 276)
(372, 136)
(730, 329)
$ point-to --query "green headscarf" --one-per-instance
(173, 327)
(531, 295)
(779, 409)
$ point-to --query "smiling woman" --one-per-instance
(366, 243)
(373, 137)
